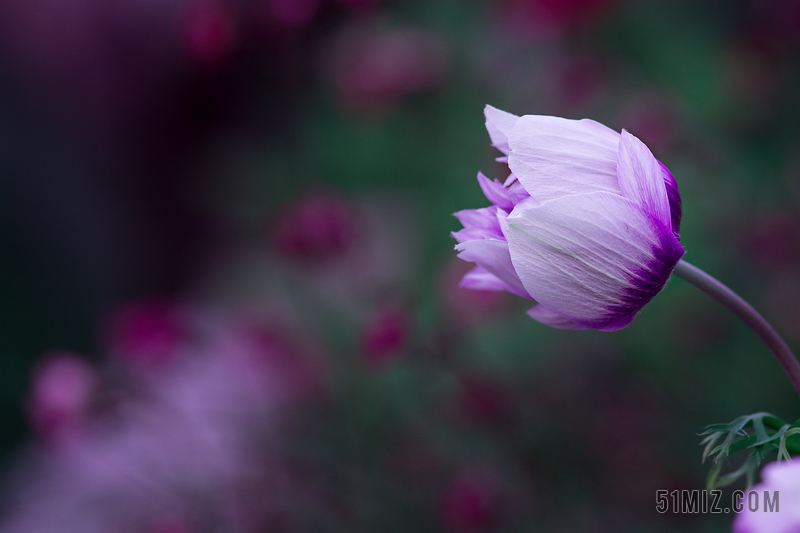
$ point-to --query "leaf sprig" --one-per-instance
(759, 433)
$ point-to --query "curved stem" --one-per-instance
(747, 314)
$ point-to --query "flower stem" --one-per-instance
(747, 314)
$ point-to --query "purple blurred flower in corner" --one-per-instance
(779, 480)
(59, 401)
(586, 225)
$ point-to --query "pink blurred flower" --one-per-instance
(781, 480)
(470, 502)
(146, 335)
(209, 33)
(373, 70)
(544, 19)
(60, 397)
(316, 229)
(350, 253)
(290, 13)
(385, 336)
(200, 435)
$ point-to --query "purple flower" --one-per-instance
(779, 480)
(586, 225)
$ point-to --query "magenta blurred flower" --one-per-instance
(781, 480)
(292, 13)
(185, 452)
(209, 33)
(586, 225)
(59, 400)
(316, 229)
(550, 18)
(385, 336)
(146, 335)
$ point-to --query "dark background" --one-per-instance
(142, 141)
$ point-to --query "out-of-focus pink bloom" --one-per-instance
(184, 449)
(780, 481)
(348, 252)
(373, 70)
(468, 307)
(385, 336)
(146, 335)
(63, 385)
(209, 33)
(316, 229)
(470, 502)
(544, 19)
(290, 13)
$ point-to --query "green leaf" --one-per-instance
(760, 433)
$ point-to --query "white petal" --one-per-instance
(641, 178)
(554, 157)
(550, 318)
(596, 259)
(492, 255)
(499, 125)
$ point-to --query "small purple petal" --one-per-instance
(499, 125)
(554, 157)
(479, 279)
(475, 234)
(550, 318)
(493, 256)
(496, 193)
(641, 179)
(595, 259)
(479, 224)
(484, 218)
(674, 197)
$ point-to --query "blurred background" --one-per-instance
(229, 299)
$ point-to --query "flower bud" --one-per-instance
(586, 225)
